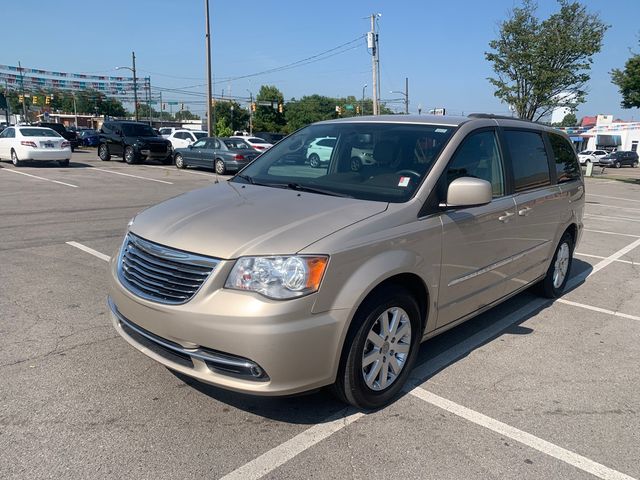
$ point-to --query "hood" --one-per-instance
(228, 220)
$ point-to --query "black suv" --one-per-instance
(68, 135)
(135, 142)
(619, 158)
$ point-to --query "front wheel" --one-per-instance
(558, 273)
(220, 168)
(103, 153)
(314, 160)
(129, 156)
(381, 350)
(617, 165)
(180, 161)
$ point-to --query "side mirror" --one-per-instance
(468, 192)
(190, 146)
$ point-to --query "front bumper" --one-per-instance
(293, 350)
(148, 153)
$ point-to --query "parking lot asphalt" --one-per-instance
(530, 389)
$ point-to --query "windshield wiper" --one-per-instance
(304, 188)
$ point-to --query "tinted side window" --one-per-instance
(479, 156)
(107, 128)
(567, 167)
(529, 159)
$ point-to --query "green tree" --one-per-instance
(544, 64)
(222, 128)
(267, 118)
(628, 82)
(186, 115)
(237, 118)
(569, 120)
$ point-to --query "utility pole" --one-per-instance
(372, 43)
(24, 107)
(210, 126)
(135, 85)
(6, 96)
(362, 103)
(250, 112)
(161, 110)
(148, 85)
(406, 95)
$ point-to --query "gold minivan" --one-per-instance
(291, 276)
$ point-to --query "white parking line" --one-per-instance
(614, 198)
(89, 250)
(210, 175)
(272, 459)
(611, 233)
(612, 217)
(524, 438)
(40, 178)
(129, 175)
(602, 258)
(598, 309)
(606, 205)
(601, 264)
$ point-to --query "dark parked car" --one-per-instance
(135, 142)
(88, 138)
(221, 154)
(618, 159)
(68, 135)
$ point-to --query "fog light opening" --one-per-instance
(256, 371)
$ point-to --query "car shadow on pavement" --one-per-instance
(45, 165)
(318, 406)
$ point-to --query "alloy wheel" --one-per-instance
(561, 265)
(386, 348)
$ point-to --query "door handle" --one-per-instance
(505, 218)
(524, 212)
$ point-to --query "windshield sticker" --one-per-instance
(442, 130)
(404, 181)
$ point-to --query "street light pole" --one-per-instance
(362, 103)
(250, 112)
(135, 85)
(209, 84)
(406, 95)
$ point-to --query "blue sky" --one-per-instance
(439, 45)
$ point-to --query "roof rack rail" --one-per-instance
(498, 117)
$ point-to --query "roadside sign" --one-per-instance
(348, 107)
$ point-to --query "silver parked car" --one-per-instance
(291, 277)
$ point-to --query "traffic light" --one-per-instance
(358, 109)
(182, 106)
(47, 100)
(253, 107)
(35, 100)
(21, 98)
(280, 108)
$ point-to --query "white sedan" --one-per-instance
(592, 156)
(33, 143)
(184, 138)
(256, 143)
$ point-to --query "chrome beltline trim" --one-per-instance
(499, 264)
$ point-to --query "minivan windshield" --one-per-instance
(136, 130)
(369, 161)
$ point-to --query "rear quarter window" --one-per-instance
(528, 159)
(567, 166)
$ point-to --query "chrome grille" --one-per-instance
(160, 273)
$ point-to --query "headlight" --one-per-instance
(278, 277)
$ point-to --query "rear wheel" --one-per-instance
(558, 273)
(380, 350)
(635, 164)
(103, 152)
(14, 159)
(356, 164)
(314, 160)
(220, 168)
(617, 165)
(63, 163)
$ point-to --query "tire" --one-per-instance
(180, 161)
(355, 164)
(314, 160)
(103, 152)
(219, 167)
(617, 165)
(352, 385)
(14, 159)
(73, 149)
(63, 163)
(129, 156)
(635, 164)
(551, 286)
